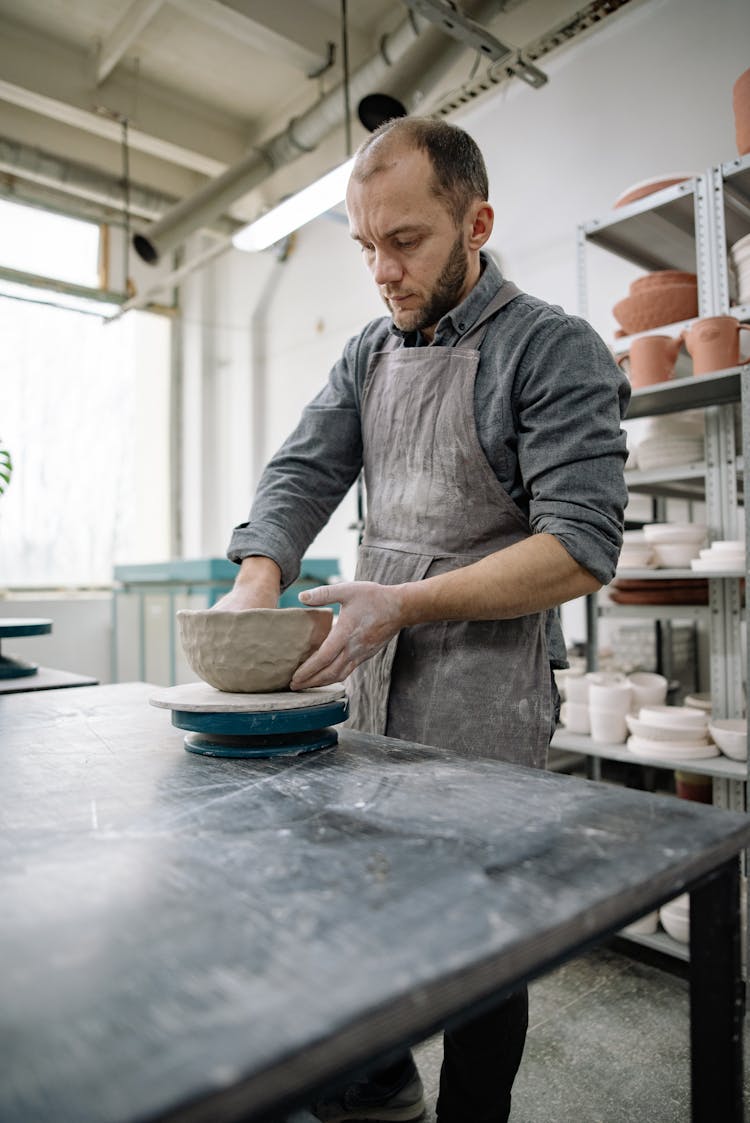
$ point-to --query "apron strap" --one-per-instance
(474, 337)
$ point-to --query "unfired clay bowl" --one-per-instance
(254, 651)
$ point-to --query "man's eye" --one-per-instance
(406, 245)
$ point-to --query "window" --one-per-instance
(84, 412)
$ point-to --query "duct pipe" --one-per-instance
(69, 178)
(426, 52)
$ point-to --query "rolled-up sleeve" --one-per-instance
(570, 398)
(308, 477)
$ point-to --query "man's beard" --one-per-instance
(445, 295)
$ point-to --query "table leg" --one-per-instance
(716, 998)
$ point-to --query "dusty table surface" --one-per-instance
(193, 938)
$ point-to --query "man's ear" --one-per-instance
(482, 218)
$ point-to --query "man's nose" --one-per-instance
(385, 268)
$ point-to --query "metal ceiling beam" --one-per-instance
(23, 164)
(108, 127)
(127, 29)
(418, 60)
(56, 80)
(276, 28)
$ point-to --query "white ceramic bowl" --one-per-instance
(675, 918)
(646, 926)
(718, 564)
(635, 557)
(253, 651)
(675, 555)
(734, 557)
(679, 716)
(702, 701)
(730, 734)
(730, 545)
(671, 750)
(665, 732)
(674, 532)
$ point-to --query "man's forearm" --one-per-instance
(261, 572)
(530, 576)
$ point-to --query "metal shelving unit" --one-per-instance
(688, 226)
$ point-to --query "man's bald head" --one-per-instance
(459, 175)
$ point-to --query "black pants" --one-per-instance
(480, 1061)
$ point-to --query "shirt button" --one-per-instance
(462, 326)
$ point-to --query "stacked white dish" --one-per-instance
(672, 440)
(739, 257)
(675, 545)
(675, 918)
(670, 732)
(636, 552)
(726, 555)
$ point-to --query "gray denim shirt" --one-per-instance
(548, 403)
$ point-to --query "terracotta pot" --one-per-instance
(741, 103)
(661, 278)
(667, 304)
(714, 343)
(692, 785)
(650, 359)
(648, 186)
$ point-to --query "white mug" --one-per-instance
(608, 727)
(609, 691)
(575, 716)
(572, 684)
(647, 689)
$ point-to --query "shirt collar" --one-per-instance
(462, 318)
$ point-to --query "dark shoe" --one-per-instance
(371, 1102)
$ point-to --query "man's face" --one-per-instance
(417, 256)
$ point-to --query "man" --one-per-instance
(488, 426)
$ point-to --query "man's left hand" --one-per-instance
(370, 616)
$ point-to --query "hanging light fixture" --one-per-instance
(330, 189)
(307, 204)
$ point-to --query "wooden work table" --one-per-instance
(201, 940)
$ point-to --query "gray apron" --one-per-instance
(482, 687)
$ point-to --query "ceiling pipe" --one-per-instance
(428, 53)
(70, 179)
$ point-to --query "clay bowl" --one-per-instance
(254, 651)
(648, 186)
(741, 104)
(667, 304)
(661, 278)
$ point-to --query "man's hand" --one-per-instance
(258, 585)
(370, 615)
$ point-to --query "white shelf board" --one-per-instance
(720, 766)
(656, 611)
(660, 941)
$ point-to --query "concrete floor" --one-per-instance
(608, 1042)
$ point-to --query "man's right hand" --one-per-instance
(257, 585)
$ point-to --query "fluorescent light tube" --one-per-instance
(295, 211)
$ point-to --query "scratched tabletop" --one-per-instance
(202, 939)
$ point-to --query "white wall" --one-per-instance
(647, 93)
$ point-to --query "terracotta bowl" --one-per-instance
(741, 104)
(254, 651)
(648, 186)
(661, 278)
(667, 304)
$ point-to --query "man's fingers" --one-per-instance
(323, 594)
(320, 661)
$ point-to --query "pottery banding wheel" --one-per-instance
(287, 722)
